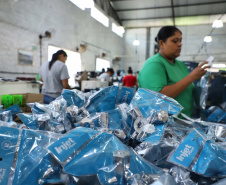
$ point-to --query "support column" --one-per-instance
(148, 41)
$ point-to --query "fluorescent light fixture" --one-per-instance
(219, 65)
(136, 42)
(99, 16)
(208, 39)
(79, 3)
(217, 24)
(119, 30)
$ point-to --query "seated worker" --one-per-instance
(130, 80)
(167, 75)
(106, 76)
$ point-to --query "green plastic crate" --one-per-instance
(18, 99)
(7, 101)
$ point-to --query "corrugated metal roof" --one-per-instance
(149, 13)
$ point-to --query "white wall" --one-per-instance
(192, 41)
(22, 21)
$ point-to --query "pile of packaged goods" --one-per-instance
(116, 136)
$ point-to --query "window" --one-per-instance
(101, 63)
(99, 16)
(73, 62)
(119, 30)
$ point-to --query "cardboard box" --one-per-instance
(30, 98)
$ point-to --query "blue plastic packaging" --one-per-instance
(102, 100)
(25, 159)
(147, 100)
(126, 95)
(200, 155)
(73, 98)
(85, 151)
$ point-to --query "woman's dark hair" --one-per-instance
(55, 57)
(130, 71)
(166, 32)
(111, 71)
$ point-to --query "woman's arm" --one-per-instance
(177, 88)
(65, 84)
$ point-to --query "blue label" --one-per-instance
(8, 143)
(187, 150)
(66, 146)
(126, 95)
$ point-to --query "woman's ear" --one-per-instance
(161, 44)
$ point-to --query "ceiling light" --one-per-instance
(217, 24)
(136, 42)
(208, 39)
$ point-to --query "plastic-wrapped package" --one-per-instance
(204, 83)
(73, 98)
(41, 122)
(85, 151)
(8, 114)
(147, 101)
(28, 120)
(15, 109)
(214, 131)
(125, 95)
(102, 100)
(181, 176)
(52, 116)
(199, 154)
(8, 124)
(147, 108)
(24, 158)
(216, 114)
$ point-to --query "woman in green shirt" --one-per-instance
(167, 75)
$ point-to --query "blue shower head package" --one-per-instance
(217, 115)
(214, 131)
(201, 155)
(85, 151)
(126, 95)
(8, 143)
(102, 100)
(15, 109)
(147, 100)
(72, 98)
(6, 116)
(25, 159)
(28, 120)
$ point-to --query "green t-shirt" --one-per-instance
(157, 73)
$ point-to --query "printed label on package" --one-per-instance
(67, 145)
(8, 144)
(187, 150)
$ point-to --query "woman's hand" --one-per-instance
(198, 72)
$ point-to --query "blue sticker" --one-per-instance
(67, 145)
(187, 150)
